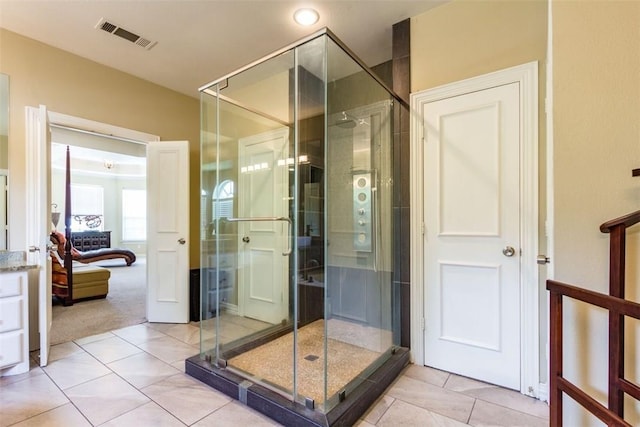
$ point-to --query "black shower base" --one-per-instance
(289, 413)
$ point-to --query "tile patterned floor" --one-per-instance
(135, 377)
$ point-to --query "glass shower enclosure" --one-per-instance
(298, 308)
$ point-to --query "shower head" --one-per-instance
(345, 122)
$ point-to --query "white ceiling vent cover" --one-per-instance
(116, 30)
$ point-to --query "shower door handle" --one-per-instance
(271, 219)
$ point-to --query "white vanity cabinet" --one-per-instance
(14, 322)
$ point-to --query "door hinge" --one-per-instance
(422, 228)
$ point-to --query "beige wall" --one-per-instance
(596, 74)
(464, 39)
(68, 84)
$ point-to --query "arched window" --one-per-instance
(223, 200)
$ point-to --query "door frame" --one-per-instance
(526, 75)
(38, 198)
(78, 123)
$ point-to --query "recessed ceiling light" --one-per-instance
(306, 16)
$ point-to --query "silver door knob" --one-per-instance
(182, 241)
(508, 251)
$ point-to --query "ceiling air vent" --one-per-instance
(116, 30)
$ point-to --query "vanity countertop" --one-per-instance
(14, 261)
(16, 267)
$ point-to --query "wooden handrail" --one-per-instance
(627, 220)
(618, 385)
(617, 229)
(623, 307)
(619, 308)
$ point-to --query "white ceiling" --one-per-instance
(201, 40)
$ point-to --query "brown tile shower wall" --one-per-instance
(401, 61)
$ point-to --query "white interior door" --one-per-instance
(472, 238)
(263, 244)
(168, 231)
(38, 216)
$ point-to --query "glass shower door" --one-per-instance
(248, 245)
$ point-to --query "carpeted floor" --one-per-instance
(125, 305)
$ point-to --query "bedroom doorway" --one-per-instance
(108, 180)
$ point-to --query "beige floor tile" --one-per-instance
(159, 326)
(233, 328)
(490, 393)
(209, 343)
(92, 338)
(404, 414)
(489, 414)
(421, 396)
(149, 414)
(142, 369)
(377, 410)
(75, 369)
(186, 398)
(207, 335)
(186, 333)
(33, 371)
(105, 398)
(231, 333)
(168, 349)
(228, 318)
(436, 399)
(235, 414)
(138, 334)
(60, 351)
(111, 349)
(196, 348)
(65, 415)
(427, 374)
(31, 396)
(179, 365)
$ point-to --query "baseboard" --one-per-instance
(229, 308)
(543, 392)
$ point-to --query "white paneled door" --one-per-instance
(168, 231)
(263, 232)
(472, 234)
